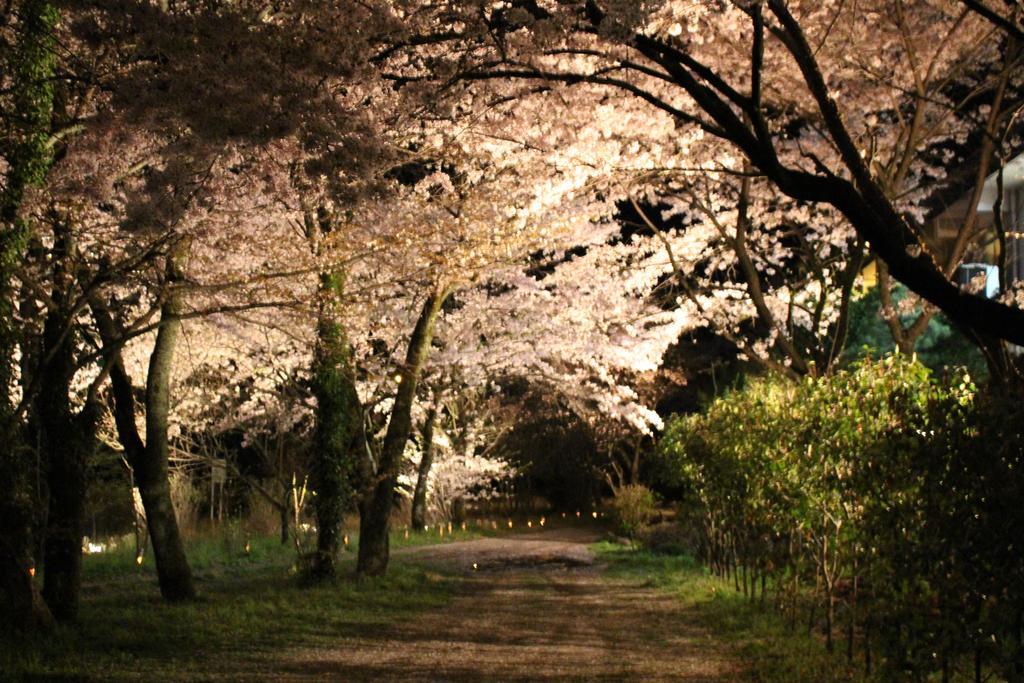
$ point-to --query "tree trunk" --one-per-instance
(67, 441)
(66, 519)
(31, 347)
(149, 461)
(375, 512)
(906, 338)
(841, 327)
(283, 511)
(419, 496)
(22, 608)
(338, 427)
(32, 65)
(152, 471)
(830, 612)
(122, 393)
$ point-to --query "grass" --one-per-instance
(758, 634)
(251, 607)
(253, 613)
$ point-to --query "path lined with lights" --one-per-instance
(567, 547)
(529, 607)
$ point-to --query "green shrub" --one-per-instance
(633, 508)
(874, 500)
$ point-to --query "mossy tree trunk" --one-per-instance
(337, 432)
(338, 419)
(375, 512)
(33, 65)
(419, 496)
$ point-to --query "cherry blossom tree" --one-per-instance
(777, 82)
(161, 175)
(459, 455)
(774, 277)
(334, 200)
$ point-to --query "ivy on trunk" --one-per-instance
(338, 427)
(34, 64)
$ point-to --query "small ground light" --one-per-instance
(594, 514)
(426, 528)
(529, 524)
(463, 525)
(510, 524)
(577, 514)
(474, 566)
(248, 547)
(494, 525)
(563, 515)
(406, 533)
(32, 571)
(542, 521)
(344, 539)
(138, 559)
(449, 527)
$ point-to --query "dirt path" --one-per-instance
(539, 550)
(536, 608)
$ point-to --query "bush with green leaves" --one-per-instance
(633, 508)
(876, 501)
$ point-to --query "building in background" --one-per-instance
(983, 253)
